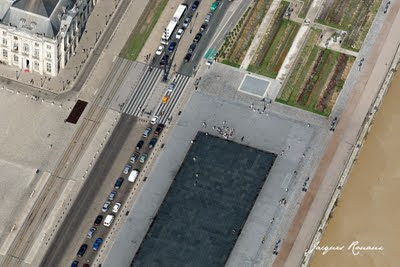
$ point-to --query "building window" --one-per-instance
(16, 58)
(48, 55)
(5, 53)
(48, 67)
(36, 45)
(4, 33)
(15, 47)
(49, 47)
(36, 52)
(26, 48)
(36, 65)
(15, 38)
(5, 41)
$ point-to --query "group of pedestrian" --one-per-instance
(275, 252)
(225, 131)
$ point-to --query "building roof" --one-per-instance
(35, 16)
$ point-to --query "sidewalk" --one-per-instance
(340, 145)
(97, 21)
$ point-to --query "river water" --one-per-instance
(368, 210)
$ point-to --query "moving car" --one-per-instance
(119, 181)
(164, 60)
(112, 195)
(127, 169)
(143, 158)
(132, 177)
(187, 57)
(98, 219)
(179, 33)
(97, 243)
(159, 129)
(197, 38)
(192, 47)
(171, 47)
(152, 142)
(154, 120)
(186, 22)
(203, 27)
(165, 99)
(147, 132)
(106, 205)
(214, 6)
(160, 49)
(195, 5)
(171, 86)
(91, 232)
(82, 250)
(116, 207)
(139, 144)
(208, 17)
(109, 219)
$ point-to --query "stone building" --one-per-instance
(41, 35)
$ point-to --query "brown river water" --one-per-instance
(368, 210)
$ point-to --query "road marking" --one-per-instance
(114, 58)
(216, 36)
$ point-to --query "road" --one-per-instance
(93, 185)
(29, 230)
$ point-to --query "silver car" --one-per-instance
(127, 169)
(91, 232)
(112, 196)
(106, 205)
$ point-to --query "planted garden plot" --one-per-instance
(316, 78)
(238, 42)
(275, 45)
(353, 16)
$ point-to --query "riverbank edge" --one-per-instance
(365, 128)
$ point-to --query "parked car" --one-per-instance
(75, 264)
(82, 250)
(214, 6)
(192, 47)
(195, 5)
(112, 195)
(109, 219)
(97, 243)
(159, 129)
(91, 232)
(106, 205)
(208, 17)
(147, 132)
(171, 47)
(152, 142)
(187, 57)
(160, 49)
(139, 144)
(116, 207)
(98, 220)
(179, 33)
(186, 22)
(143, 158)
(134, 157)
(127, 169)
(203, 27)
(197, 38)
(171, 86)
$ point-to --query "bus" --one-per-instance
(172, 24)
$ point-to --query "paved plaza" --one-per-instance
(207, 204)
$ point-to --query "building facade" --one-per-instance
(41, 35)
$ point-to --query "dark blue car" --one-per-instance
(171, 47)
(118, 183)
(195, 5)
(74, 264)
(97, 243)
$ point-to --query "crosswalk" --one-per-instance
(136, 101)
(164, 111)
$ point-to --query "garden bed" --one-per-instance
(276, 44)
(239, 40)
(317, 77)
(353, 16)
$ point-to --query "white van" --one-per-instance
(109, 219)
(132, 177)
